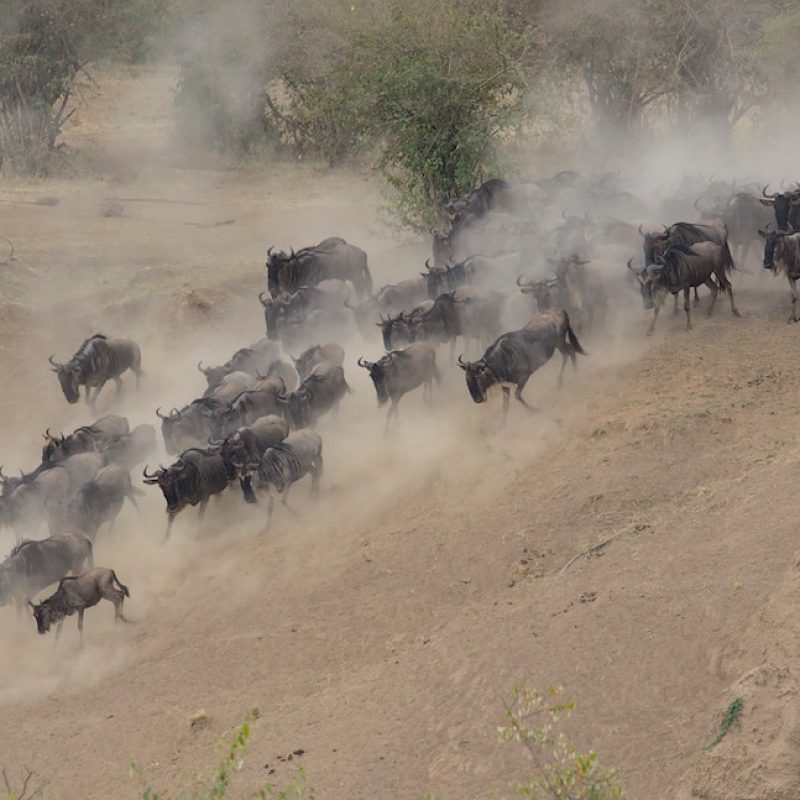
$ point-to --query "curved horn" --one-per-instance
(362, 362)
(270, 249)
(461, 363)
(641, 232)
(160, 415)
(521, 284)
(291, 252)
(261, 298)
(200, 367)
(630, 265)
(766, 194)
(52, 361)
(144, 472)
(428, 264)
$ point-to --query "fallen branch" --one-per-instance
(155, 200)
(11, 254)
(210, 224)
(634, 527)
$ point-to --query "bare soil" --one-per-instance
(379, 630)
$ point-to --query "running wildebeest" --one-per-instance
(402, 371)
(782, 254)
(264, 398)
(680, 269)
(231, 386)
(249, 442)
(396, 330)
(192, 425)
(472, 270)
(515, 356)
(83, 439)
(389, 300)
(317, 354)
(99, 501)
(76, 594)
(131, 448)
(254, 360)
(331, 258)
(282, 465)
(786, 206)
(32, 566)
(192, 480)
(320, 392)
(98, 360)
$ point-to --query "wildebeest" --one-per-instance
(682, 268)
(331, 258)
(76, 594)
(473, 270)
(192, 480)
(396, 330)
(782, 254)
(32, 566)
(250, 441)
(282, 465)
(26, 501)
(402, 371)
(192, 425)
(83, 439)
(99, 501)
(131, 448)
(248, 406)
(320, 392)
(786, 206)
(257, 359)
(231, 386)
(442, 322)
(515, 356)
(389, 300)
(98, 360)
(317, 354)
(744, 216)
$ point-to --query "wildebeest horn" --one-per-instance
(520, 283)
(2, 477)
(215, 442)
(52, 361)
(461, 363)
(270, 249)
(630, 265)
(768, 196)
(427, 264)
(641, 232)
(200, 367)
(144, 472)
(362, 362)
(261, 298)
(291, 252)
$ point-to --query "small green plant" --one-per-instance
(215, 783)
(26, 791)
(732, 714)
(560, 770)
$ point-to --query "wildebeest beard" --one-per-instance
(479, 380)
(69, 379)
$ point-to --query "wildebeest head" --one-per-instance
(70, 376)
(54, 448)
(781, 203)
(480, 378)
(272, 314)
(276, 262)
(436, 278)
(645, 285)
(394, 330)
(298, 407)
(773, 242)
(540, 289)
(214, 375)
(169, 481)
(382, 373)
(45, 615)
(233, 452)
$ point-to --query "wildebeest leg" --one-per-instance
(80, 624)
(170, 520)
(201, 513)
(675, 309)
(270, 505)
(564, 357)
(687, 307)
(506, 395)
(793, 290)
(118, 384)
(118, 599)
(88, 392)
(316, 474)
(714, 292)
(59, 627)
(518, 394)
(392, 412)
(655, 318)
(696, 296)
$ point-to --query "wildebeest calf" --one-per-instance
(76, 595)
(515, 356)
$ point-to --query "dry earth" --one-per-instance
(379, 631)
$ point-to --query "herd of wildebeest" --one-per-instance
(510, 273)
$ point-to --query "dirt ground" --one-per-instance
(379, 630)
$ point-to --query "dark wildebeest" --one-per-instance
(282, 465)
(26, 501)
(317, 354)
(443, 322)
(396, 330)
(320, 392)
(99, 359)
(83, 439)
(32, 566)
(389, 300)
(402, 371)
(481, 313)
(99, 501)
(786, 206)
(472, 270)
(745, 216)
(264, 398)
(782, 254)
(192, 425)
(680, 269)
(249, 442)
(192, 480)
(76, 595)
(254, 360)
(515, 356)
(331, 258)
(231, 386)
(132, 448)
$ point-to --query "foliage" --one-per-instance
(432, 85)
(45, 46)
(560, 770)
(732, 714)
(217, 781)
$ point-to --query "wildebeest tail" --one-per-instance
(123, 588)
(727, 259)
(367, 276)
(573, 339)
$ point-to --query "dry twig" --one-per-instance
(634, 527)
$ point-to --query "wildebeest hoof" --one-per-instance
(736, 313)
